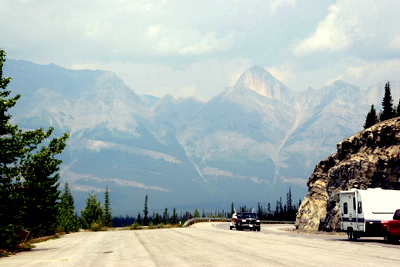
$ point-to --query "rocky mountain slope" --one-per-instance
(369, 159)
(248, 144)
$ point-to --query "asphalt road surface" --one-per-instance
(206, 244)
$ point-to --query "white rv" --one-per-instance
(361, 211)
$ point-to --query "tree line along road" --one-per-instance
(204, 244)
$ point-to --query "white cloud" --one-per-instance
(188, 91)
(352, 24)
(395, 43)
(185, 41)
(180, 47)
(350, 69)
(331, 34)
(141, 7)
(208, 43)
(366, 74)
(277, 4)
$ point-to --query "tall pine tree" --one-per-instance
(174, 218)
(372, 118)
(145, 212)
(387, 104)
(66, 219)
(40, 188)
(107, 209)
(166, 216)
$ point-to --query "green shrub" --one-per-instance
(96, 226)
(136, 226)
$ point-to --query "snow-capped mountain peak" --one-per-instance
(260, 80)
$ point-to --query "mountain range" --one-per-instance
(248, 144)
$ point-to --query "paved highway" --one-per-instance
(205, 244)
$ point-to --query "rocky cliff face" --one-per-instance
(369, 159)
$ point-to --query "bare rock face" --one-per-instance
(369, 159)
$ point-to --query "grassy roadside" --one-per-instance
(28, 245)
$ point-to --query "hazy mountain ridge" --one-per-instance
(249, 143)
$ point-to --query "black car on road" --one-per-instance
(245, 220)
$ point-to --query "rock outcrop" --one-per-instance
(368, 159)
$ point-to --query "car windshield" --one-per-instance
(249, 215)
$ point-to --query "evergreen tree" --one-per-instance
(387, 104)
(28, 178)
(166, 216)
(92, 215)
(232, 209)
(174, 218)
(259, 210)
(145, 212)
(157, 219)
(268, 209)
(398, 110)
(196, 213)
(40, 188)
(139, 219)
(107, 210)
(371, 118)
(289, 203)
(290, 209)
(66, 219)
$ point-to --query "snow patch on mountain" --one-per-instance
(97, 146)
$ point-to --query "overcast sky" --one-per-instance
(197, 48)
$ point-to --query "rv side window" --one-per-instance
(354, 203)
(345, 208)
(359, 207)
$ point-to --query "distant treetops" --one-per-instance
(388, 110)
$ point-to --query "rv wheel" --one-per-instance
(350, 234)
